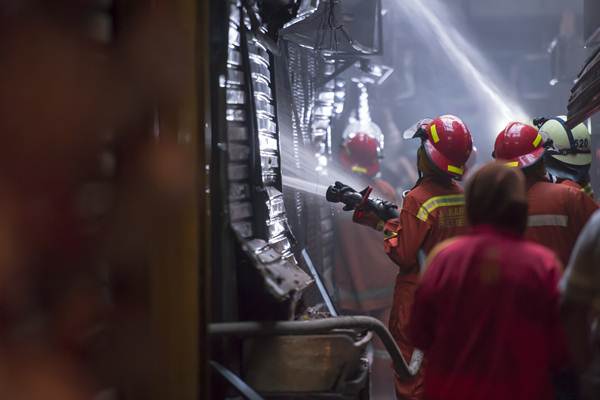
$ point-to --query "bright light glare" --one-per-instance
(469, 62)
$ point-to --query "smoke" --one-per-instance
(304, 185)
(437, 27)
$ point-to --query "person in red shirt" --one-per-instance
(431, 212)
(361, 290)
(486, 309)
(557, 213)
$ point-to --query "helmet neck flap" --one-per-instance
(559, 171)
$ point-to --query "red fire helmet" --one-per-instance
(361, 154)
(520, 145)
(448, 144)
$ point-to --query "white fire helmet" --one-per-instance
(569, 156)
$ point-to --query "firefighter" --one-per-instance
(363, 275)
(557, 213)
(569, 159)
(431, 212)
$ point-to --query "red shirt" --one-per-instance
(486, 316)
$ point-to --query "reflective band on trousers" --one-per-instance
(439, 201)
(548, 220)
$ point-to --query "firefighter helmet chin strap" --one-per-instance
(418, 182)
(431, 170)
(420, 154)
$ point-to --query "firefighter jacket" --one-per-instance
(363, 275)
(431, 212)
(570, 183)
(587, 189)
(557, 214)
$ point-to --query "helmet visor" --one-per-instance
(413, 131)
(526, 160)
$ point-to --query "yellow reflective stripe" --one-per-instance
(455, 170)
(434, 134)
(512, 164)
(359, 169)
(537, 140)
(439, 201)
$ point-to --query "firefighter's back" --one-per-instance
(432, 212)
(442, 206)
(557, 214)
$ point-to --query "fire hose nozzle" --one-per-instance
(341, 193)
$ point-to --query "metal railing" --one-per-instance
(320, 326)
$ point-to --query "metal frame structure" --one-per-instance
(326, 325)
(255, 271)
(255, 201)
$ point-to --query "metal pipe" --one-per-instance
(325, 325)
(319, 282)
(363, 341)
(242, 387)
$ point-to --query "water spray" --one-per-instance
(305, 176)
(311, 167)
(468, 60)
